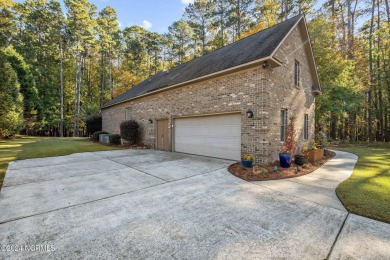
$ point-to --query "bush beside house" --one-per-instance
(114, 139)
(129, 131)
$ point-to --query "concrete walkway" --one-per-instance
(320, 185)
(141, 204)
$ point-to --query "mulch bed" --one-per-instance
(124, 146)
(250, 175)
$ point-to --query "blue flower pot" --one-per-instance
(246, 164)
(285, 160)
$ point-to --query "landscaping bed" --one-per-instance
(249, 174)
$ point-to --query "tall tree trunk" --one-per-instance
(110, 75)
(350, 55)
(203, 36)
(147, 65)
(238, 20)
(286, 9)
(76, 126)
(89, 79)
(61, 90)
(379, 82)
(195, 47)
(346, 128)
(387, 10)
(333, 127)
(387, 128)
(79, 94)
(369, 93)
(221, 17)
(102, 79)
(75, 115)
(343, 28)
(164, 58)
(352, 126)
(349, 30)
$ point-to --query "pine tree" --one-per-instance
(182, 34)
(199, 16)
(108, 33)
(81, 25)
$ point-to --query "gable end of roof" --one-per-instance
(253, 49)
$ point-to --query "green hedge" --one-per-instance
(115, 139)
(129, 131)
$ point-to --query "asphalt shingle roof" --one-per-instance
(251, 48)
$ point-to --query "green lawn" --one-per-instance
(367, 191)
(26, 147)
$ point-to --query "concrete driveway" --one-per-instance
(137, 204)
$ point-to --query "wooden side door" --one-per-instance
(163, 135)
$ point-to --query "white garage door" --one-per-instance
(216, 136)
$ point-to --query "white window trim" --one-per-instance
(127, 110)
(283, 125)
(306, 127)
(297, 74)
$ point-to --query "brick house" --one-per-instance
(231, 101)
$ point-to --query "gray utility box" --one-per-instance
(103, 138)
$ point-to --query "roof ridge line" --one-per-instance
(263, 45)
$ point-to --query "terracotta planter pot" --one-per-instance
(315, 156)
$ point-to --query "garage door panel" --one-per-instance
(216, 136)
(209, 151)
(218, 142)
(223, 130)
(207, 142)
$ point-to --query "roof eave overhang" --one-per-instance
(316, 92)
(265, 62)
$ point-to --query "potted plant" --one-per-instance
(289, 147)
(314, 153)
(300, 158)
(247, 160)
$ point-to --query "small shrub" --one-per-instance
(94, 124)
(95, 136)
(114, 139)
(259, 170)
(248, 157)
(129, 131)
(289, 145)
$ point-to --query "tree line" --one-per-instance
(59, 66)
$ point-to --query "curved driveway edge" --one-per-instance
(320, 185)
(358, 237)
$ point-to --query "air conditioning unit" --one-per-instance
(103, 138)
